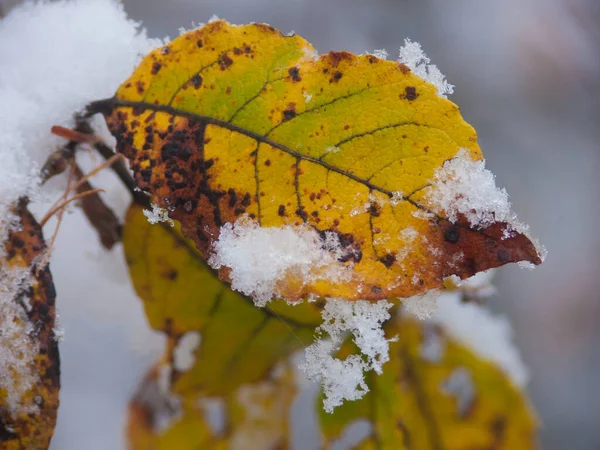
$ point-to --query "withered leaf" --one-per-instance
(29, 363)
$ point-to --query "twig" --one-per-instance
(65, 203)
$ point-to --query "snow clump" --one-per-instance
(261, 257)
(344, 379)
(413, 56)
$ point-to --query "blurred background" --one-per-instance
(527, 76)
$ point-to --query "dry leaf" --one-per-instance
(29, 362)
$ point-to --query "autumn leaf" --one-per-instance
(29, 362)
(436, 394)
(230, 124)
(256, 416)
(183, 296)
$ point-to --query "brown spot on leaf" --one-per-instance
(196, 81)
(403, 68)
(336, 77)
(452, 234)
(388, 260)
(156, 68)
(290, 112)
(336, 57)
(225, 61)
(295, 74)
(410, 93)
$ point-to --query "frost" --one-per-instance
(413, 56)
(58, 330)
(158, 215)
(341, 380)
(344, 379)
(307, 97)
(463, 186)
(487, 335)
(17, 349)
(381, 53)
(260, 258)
(422, 306)
(183, 355)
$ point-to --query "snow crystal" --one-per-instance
(486, 334)
(17, 350)
(464, 186)
(183, 354)
(413, 56)
(422, 306)
(341, 380)
(381, 53)
(157, 215)
(344, 379)
(259, 258)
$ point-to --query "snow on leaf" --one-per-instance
(259, 258)
(455, 399)
(29, 364)
(413, 56)
(344, 379)
(158, 214)
(487, 335)
(236, 137)
(237, 342)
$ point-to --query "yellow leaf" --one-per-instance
(239, 342)
(451, 399)
(29, 363)
(256, 416)
(232, 121)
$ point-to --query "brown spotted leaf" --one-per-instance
(240, 121)
(29, 360)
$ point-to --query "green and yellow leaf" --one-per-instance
(240, 343)
(450, 400)
(233, 121)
